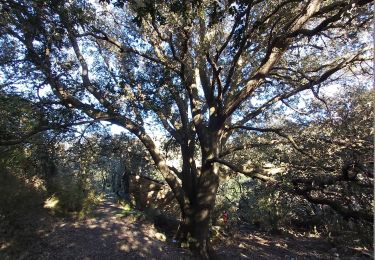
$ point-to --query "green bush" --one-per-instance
(21, 208)
(272, 210)
(70, 195)
(19, 196)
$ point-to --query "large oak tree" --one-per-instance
(201, 70)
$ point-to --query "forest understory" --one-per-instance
(110, 232)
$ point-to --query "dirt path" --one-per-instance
(111, 235)
(255, 245)
(108, 235)
(251, 244)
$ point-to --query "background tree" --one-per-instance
(202, 70)
(333, 171)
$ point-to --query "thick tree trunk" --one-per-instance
(201, 240)
(194, 228)
(194, 233)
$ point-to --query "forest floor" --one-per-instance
(109, 234)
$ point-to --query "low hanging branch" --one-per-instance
(256, 173)
(336, 205)
(241, 147)
(279, 132)
(42, 128)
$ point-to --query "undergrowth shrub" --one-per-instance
(20, 197)
(276, 211)
(22, 214)
(271, 210)
(227, 201)
(72, 196)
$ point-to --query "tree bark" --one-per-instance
(194, 231)
(194, 227)
(126, 185)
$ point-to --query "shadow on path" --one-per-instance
(105, 236)
(110, 235)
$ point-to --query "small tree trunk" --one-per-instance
(125, 184)
(183, 229)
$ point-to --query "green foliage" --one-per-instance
(272, 210)
(127, 210)
(74, 197)
(35, 165)
(21, 212)
(20, 197)
(228, 198)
